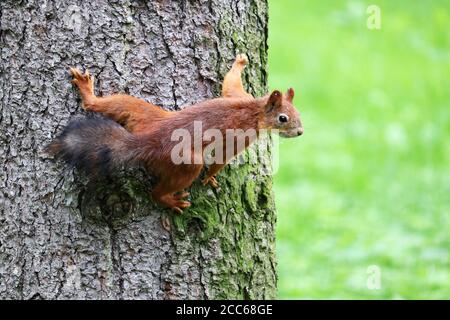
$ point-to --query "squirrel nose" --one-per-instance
(300, 131)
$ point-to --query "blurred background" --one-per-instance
(368, 184)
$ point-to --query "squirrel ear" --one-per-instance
(290, 94)
(274, 100)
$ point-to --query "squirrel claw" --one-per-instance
(85, 83)
(79, 76)
(180, 205)
(183, 204)
(241, 59)
(181, 195)
(177, 210)
(76, 73)
(210, 180)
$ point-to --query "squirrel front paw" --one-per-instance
(210, 180)
(241, 60)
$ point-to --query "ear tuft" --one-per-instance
(276, 93)
(275, 100)
(290, 94)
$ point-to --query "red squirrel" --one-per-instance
(141, 132)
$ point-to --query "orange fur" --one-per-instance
(236, 110)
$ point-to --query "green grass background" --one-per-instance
(369, 182)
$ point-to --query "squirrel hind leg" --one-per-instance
(172, 201)
(169, 191)
(85, 83)
(181, 195)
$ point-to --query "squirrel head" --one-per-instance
(281, 114)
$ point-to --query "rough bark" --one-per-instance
(62, 236)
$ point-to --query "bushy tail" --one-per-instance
(95, 145)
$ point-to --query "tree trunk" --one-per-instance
(63, 237)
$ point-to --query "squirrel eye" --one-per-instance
(283, 118)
